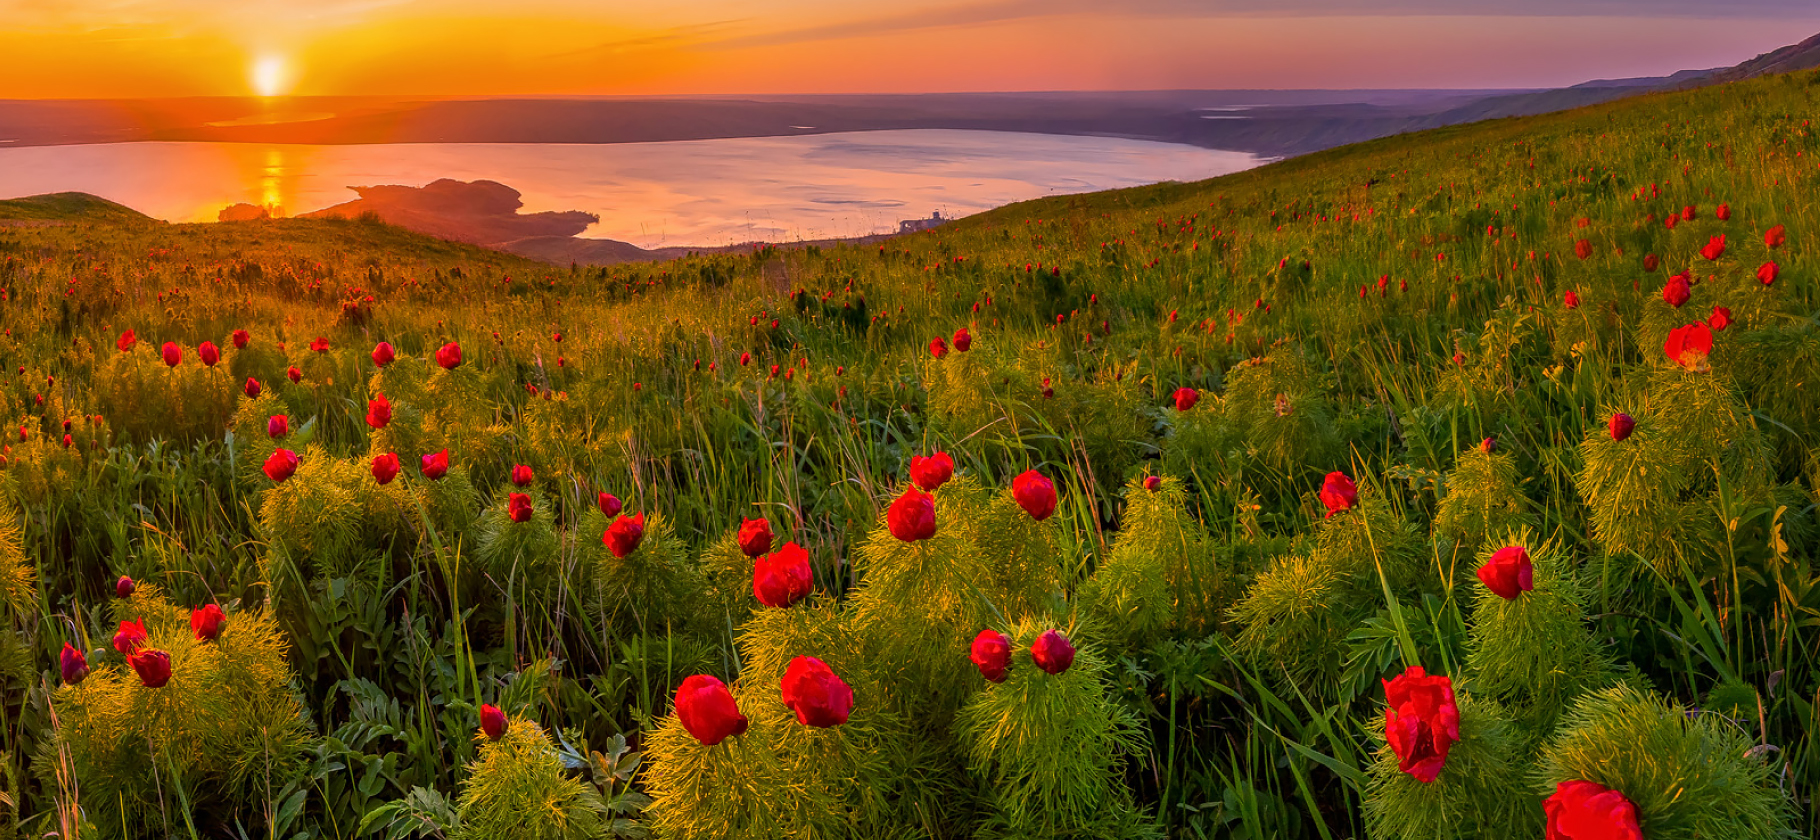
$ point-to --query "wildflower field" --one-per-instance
(1458, 484)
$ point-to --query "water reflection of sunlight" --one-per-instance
(271, 181)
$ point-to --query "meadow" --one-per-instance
(1457, 484)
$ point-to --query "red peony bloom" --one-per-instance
(1722, 318)
(75, 665)
(1582, 249)
(379, 412)
(1676, 291)
(1723, 213)
(1422, 723)
(172, 354)
(609, 504)
(208, 353)
(449, 356)
(1570, 300)
(815, 694)
(130, 636)
(1715, 248)
(293, 374)
(1775, 237)
(1688, 346)
(1650, 262)
(277, 426)
(1508, 572)
(385, 468)
(518, 507)
(435, 466)
(206, 622)
(383, 354)
(253, 389)
(1621, 426)
(992, 655)
(320, 345)
(124, 587)
(1035, 494)
(1581, 810)
(707, 710)
(492, 721)
(963, 340)
(937, 347)
(1052, 652)
(931, 472)
(754, 537)
(126, 341)
(1153, 483)
(623, 536)
(522, 475)
(153, 667)
(1766, 274)
(783, 578)
(912, 516)
(282, 465)
(1185, 398)
(1338, 493)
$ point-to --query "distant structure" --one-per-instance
(917, 225)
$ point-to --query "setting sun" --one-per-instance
(269, 75)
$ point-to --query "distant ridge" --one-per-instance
(1789, 59)
(68, 207)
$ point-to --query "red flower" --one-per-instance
(783, 578)
(1775, 237)
(383, 354)
(277, 426)
(1581, 810)
(522, 475)
(379, 412)
(518, 507)
(293, 374)
(253, 389)
(75, 665)
(1422, 723)
(1052, 652)
(1676, 291)
(240, 339)
(492, 721)
(282, 465)
(707, 710)
(1722, 318)
(1672, 220)
(1650, 262)
(745, 359)
(1723, 213)
(1488, 445)
(1621, 426)
(124, 587)
(206, 622)
(1715, 248)
(126, 341)
(153, 667)
(931, 472)
(623, 536)
(1338, 493)
(320, 344)
(1035, 494)
(449, 356)
(1153, 483)
(815, 694)
(130, 636)
(436, 466)
(912, 516)
(1687, 213)
(754, 537)
(1766, 274)
(208, 353)
(1508, 572)
(385, 468)
(937, 347)
(963, 340)
(1582, 249)
(1570, 300)
(609, 504)
(1688, 346)
(992, 655)
(1185, 398)
(172, 354)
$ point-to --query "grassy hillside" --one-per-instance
(1450, 319)
(68, 207)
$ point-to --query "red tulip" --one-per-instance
(385, 468)
(1722, 318)
(1153, 483)
(1338, 493)
(208, 353)
(1621, 426)
(1715, 248)
(1775, 237)
(1035, 494)
(783, 578)
(1185, 398)
(1766, 274)
(240, 339)
(293, 374)
(1581, 810)
(912, 516)
(1688, 346)
(707, 710)
(320, 344)
(754, 537)
(126, 341)
(153, 667)
(124, 587)
(379, 412)
(992, 655)
(1582, 249)
(436, 466)
(1570, 300)
(818, 697)
(937, 347)
(1676, 291)
(130, 636)
(253, 389)
(449, 356)
(1422, 723)
(609, 504)
(205, 623)
(963, 340)
(172, 354)
(282, 465)
(277, 426)
(623, 536)
(1723, 213)
(492, 721)
(522, 475)
(1508, 573)
(75, 665)
(518, 507)
(383, 354)
(931, 472)
(1052, 652)
(1650, 262)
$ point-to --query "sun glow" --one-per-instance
(269, 76)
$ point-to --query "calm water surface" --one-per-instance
(699, 192)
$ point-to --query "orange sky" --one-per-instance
(134, 48)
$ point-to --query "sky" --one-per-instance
(161, 48)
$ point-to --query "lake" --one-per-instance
(696, 192)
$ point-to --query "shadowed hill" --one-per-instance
(68, 207)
